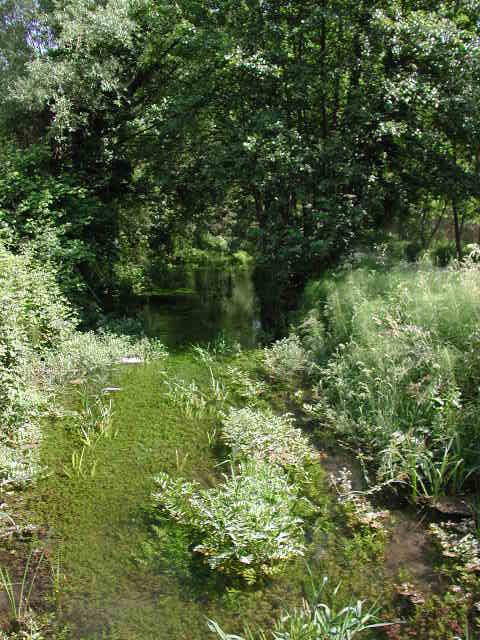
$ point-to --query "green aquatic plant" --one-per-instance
(188, 397)
(286, 360)
(217, 391)
(243, 386)
(251, 433)
(314, 621)
(244, 526)
(19, 599)
(78, 465)
(196, 401)
(428, 473)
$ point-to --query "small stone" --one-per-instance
(131, 360)
(409, 597)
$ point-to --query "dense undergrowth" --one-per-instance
(396, 367)
(41, 348)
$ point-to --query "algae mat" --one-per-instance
(99, 531)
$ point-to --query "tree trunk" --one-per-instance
(458, 239)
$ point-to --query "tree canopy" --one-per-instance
(297, 129)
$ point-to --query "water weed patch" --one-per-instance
(244, 526)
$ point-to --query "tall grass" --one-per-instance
(399, 371)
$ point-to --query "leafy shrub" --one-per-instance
(82, 353)
(33, 206)
(245, 526)
(33, 317)
(312, 334)
(286, 360)
(262, 435)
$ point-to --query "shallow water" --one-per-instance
(98, 523)
(99, 528)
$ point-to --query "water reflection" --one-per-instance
(207, 302)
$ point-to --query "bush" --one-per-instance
(264, 436)
(39, 348)
(33, 317)
(443, 252)
(286, 360)
(83, 353)
(245, 526)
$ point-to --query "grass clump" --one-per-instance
(246, 526)
(262, 435)
(396, 375)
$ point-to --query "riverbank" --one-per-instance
(107, 561)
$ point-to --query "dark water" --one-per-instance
(213, 302)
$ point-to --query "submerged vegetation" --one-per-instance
(245, 526)
(201, 473)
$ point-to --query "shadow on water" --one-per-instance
(211, 301)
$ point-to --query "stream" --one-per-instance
(112, 583)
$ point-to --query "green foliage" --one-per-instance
(33, 318)
(315, 620)
(39, 349)
(286, 360)
(19, 605)
(443, 252)
(394, 378)
(245, 526)
(52, 214)
(84, 353)
(261, 435)
(296, 132)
